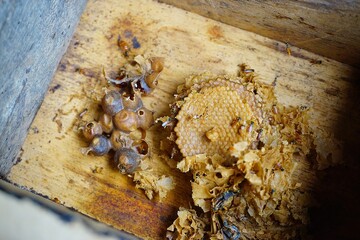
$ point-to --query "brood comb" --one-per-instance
(216, 114)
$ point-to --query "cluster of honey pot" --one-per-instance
(124, 120)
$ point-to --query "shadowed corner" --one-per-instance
(338, 194)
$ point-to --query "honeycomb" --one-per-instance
(210, 119)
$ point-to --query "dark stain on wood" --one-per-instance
(62, 67)
(86, 72)
(215, 60)
(308, 25)
(333, 91)
(279, 16)
(54, 88)
(315, 61)
(59, 125)
(19, 158)
(35, 130)
(321, 80)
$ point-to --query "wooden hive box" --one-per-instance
(39, 148)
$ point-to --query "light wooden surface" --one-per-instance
(33, 38)
(327, 27)
(51, 163)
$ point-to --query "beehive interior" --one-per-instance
(50, 162)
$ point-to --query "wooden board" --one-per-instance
(33, 39)
(315, 25)
(51, 163)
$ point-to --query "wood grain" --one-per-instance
(51, 162)
(33, 38)
(328, 28)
